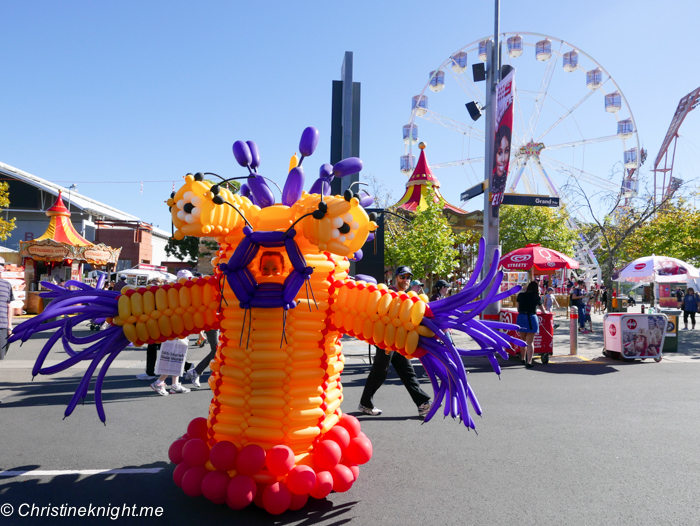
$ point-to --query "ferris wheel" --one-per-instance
(571, 119)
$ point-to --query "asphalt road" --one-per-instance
(590, 442)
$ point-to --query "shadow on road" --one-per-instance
(148, 491)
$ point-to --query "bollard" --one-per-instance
(573, 330)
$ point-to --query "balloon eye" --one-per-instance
(215, 189)
(218, 200)
(199, 176)
(344, 229)
(373, 216)
(318, 214)
(188, 208)
(348, 195)
(323, 207)
(172, 195)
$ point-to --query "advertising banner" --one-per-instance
(642, 335)
(502, 141)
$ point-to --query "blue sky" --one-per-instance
(108, 94)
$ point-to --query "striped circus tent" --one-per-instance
(61, 228)
(423, 185)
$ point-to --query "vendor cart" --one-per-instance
(634, 336)
(544, 339)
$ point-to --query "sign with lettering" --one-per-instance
(531, 200)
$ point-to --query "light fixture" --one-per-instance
(474, 109)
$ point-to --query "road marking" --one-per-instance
(58, 472)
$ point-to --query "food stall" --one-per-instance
(141, 274)
(634, 336)
(59, 255)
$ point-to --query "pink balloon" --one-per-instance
(215, 486)
(198, 428)
(326, 455)
(179, 472)
(324, 485)
(353, 467)
(359, 451)
(175, 451)
(298, 502)
(195, 452)
(342, 478)
(240, 492)
(340, 435)
(277, 498)
(223, 455)
(251, 459)
(350, 423)
(301, 480)
(192, 481)
(258, 500)
(280, 460)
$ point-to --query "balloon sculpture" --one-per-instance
(282, 297)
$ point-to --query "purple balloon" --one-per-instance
(321, 185)
(242, 153)
(245, 190)
(366, 278)
(326, 171)
(293, 186)
(357, 256)
(261, 192)
(366, 200)
(309, 141)
(348, 166)
(255, 154)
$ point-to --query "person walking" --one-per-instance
(441, 289)
(679, 297)
(194, 372)
(402, 366)
(6, 297)
(690, 306)
(527, 304)
(577, 301)
(603, 299)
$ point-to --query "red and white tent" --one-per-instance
(535, 255)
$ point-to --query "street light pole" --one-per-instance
(491, 224)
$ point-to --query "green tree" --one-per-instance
(186, 249)
(521, 225)
(674, 231)
(426, 243)
(6, 226)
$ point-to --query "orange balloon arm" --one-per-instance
(374, 314)
(159, 313)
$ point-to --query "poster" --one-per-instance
(502, 141)
(643, 335)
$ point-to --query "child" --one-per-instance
(587, 315)
(549, 302)
(171, 358)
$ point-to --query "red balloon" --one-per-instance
(251, 459)
(192, 481)
(340, 435)
(179, 472)
(280, 460)
(223, 455)
(324, 485)
(198, 428)
(195, 452)
(215, 486)
(240, 492)
(298, 502)
(326, 455)
(353, 467)
(301, 480)
(276, 498)
(342, 478)
(175, 451)
(258, 500)
(350, 423)
(359, 451)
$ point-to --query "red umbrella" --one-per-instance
(536, 255)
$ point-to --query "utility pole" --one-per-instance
(491, 224)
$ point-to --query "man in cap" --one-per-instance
(403, 366)
(6, 296)
(416, 286)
